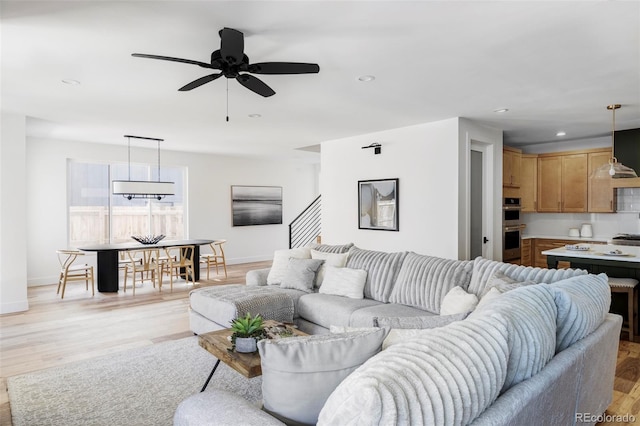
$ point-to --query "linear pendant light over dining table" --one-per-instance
(613, 169)
(131, 189)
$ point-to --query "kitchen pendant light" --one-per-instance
(131, 189)
(613, 169)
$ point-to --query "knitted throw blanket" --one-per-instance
(268, 302)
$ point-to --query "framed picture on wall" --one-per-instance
(378, 204)
(256, 205)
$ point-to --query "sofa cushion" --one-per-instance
(418, 322)
(339, 260)
(531, 315)
(281, 263)
(345, 282)
(458, 301)
(299, 373)
(327, 309)
(365, 317)
(448, 376)
(504, 283)
(382, 269)
(583, 303)
(301, 274)
(329, 248)
(483, 270)
(423, 281)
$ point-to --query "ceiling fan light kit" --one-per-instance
(131, 189)
(232, 62)
(613, 169)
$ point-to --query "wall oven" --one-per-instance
(511, 229)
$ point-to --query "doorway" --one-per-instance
(481, 201)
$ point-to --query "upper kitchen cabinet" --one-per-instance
(511, 165)
(562, 183)
(601, 193)
(529, 183)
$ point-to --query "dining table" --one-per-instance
(107, 273)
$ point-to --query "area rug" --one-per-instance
(136, 387)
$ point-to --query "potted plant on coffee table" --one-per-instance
(247, 331)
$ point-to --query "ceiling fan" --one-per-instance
(233, 63)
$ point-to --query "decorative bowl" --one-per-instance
(147, 239)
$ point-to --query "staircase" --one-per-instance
(305, 229)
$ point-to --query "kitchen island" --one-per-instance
(596, 261)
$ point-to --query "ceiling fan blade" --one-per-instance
(169, 58)
(283, 68)
(255, 85)
(231, 45)
(199, 82)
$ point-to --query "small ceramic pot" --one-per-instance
(246, 344)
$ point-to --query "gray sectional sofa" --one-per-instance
(541, 349)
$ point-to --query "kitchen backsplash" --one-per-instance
(605, 225)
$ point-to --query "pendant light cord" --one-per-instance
(227, 100)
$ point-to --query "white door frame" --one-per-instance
(488, 218)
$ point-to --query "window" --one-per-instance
(97, 217)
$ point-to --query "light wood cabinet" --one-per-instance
(525, 252)
(511, 164)
(543, 244)
(601, 195)
(529, 183)
(562, 183)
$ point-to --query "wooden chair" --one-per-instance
(71, 272)
(215, 258)
(180, 263)
(145, 263)
(627, 286)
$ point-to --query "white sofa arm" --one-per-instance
(257, 276)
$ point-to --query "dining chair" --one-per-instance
(73, 272)
(145, 263)
(180, 263)
(215, 258)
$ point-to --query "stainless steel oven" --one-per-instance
(511, 228)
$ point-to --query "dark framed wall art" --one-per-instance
(256, 205)
(378, 204)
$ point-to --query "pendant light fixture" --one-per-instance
(613, 169)
(131, 189)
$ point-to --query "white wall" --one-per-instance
(13, 223)
(209, 200)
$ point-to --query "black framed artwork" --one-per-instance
(378, 204)
(256, 205)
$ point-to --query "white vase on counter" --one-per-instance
(586, 230)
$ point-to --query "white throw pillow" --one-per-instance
(299, 373)
(339, 260)
(281, 263)
(345, 282)
(458, 301)
(488, 297)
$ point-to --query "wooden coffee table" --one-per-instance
(248, 364)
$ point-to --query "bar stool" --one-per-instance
(627, 286)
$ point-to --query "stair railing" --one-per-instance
(305, 228)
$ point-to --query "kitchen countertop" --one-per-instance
(566, 237)
(631, 253)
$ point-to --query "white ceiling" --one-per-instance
(555, 65)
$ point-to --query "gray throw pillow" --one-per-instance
(301, 274)
(299, 373)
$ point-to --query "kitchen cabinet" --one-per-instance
(525, 252)
(529, 183)
(542, 244)
(601, 195)
(511, 163)
(562, 183)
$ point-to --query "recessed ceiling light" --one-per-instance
(367, 77)
(255, 115)
(561, 133)
(71, 82)
(501, 110)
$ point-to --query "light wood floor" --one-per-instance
(55, 332)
